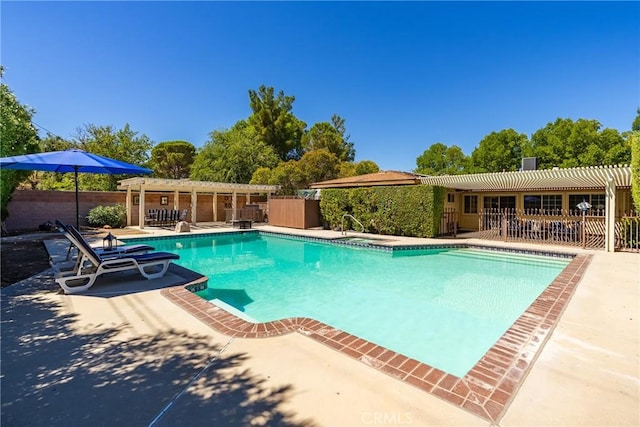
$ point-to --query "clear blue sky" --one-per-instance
(403, 75)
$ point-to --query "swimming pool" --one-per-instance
(443, 307)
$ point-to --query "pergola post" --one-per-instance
(610, 215)
(194, 205)
(234, 204)
(176, 199)
(268, 202)
(215, 206)
(127, 204)
(141, 208)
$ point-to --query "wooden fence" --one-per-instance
(294, 212)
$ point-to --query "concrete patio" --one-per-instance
(128, 356)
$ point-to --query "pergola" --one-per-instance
(178, 186)
(606, 178)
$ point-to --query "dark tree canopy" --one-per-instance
(330, 136)
(172, 159)
(233, 155)
(565, 143)
(274, 122)
(439, 159)
(51, 180)
(366, 166)
(123, 144)
(500, 151)
(318, 165)
(17, 136)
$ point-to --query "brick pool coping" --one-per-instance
(486, 390)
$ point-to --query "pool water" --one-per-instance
(443, 307)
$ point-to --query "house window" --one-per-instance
(470, 204)
(500, 202)
(451, 198)
(552, 203)
(597, 202)
(548, 204)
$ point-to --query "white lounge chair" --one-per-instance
(72, 233)
(151, 265)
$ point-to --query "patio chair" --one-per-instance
(151, 265)
(104, 253)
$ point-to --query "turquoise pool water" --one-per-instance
(444, 307)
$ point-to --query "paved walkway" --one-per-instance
(137, 359)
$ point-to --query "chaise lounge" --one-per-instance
(91, 264)
(71, 232)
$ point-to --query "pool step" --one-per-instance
(499, 256)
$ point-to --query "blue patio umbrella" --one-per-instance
(74, 160)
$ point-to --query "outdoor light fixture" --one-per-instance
(109, 242)
(584, 206)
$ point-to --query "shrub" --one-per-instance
(635, 168)
(114, 216)
(401, 211)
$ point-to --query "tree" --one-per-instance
(289, 176)
(50, 180)
(318, 165)
(500, 151)
(293, 175)
(123, 145)
(172, 159)
(17, 136)
(346, 169)
(275, 123)
(330, 136)
(635, 126)
(261, 176)
(366, 166)
(233, 155)
(565, 143)
(439, 159)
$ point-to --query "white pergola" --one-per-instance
(606, 178)
(178, 186)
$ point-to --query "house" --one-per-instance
(535, 198)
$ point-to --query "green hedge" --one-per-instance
(400, 211)
(635, 168)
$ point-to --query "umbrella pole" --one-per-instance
(75, 173)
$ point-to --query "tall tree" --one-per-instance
(500, 151)
(233, 155)
(318, 165)
(275, 123)
(366, 166)
(289, 176)
(565, 143)
(51, 180)
(330, 136)
(124, 145)
(439, 159)
(172, 159)
(17, 136)
(635, 126)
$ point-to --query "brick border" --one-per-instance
(486, 390)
